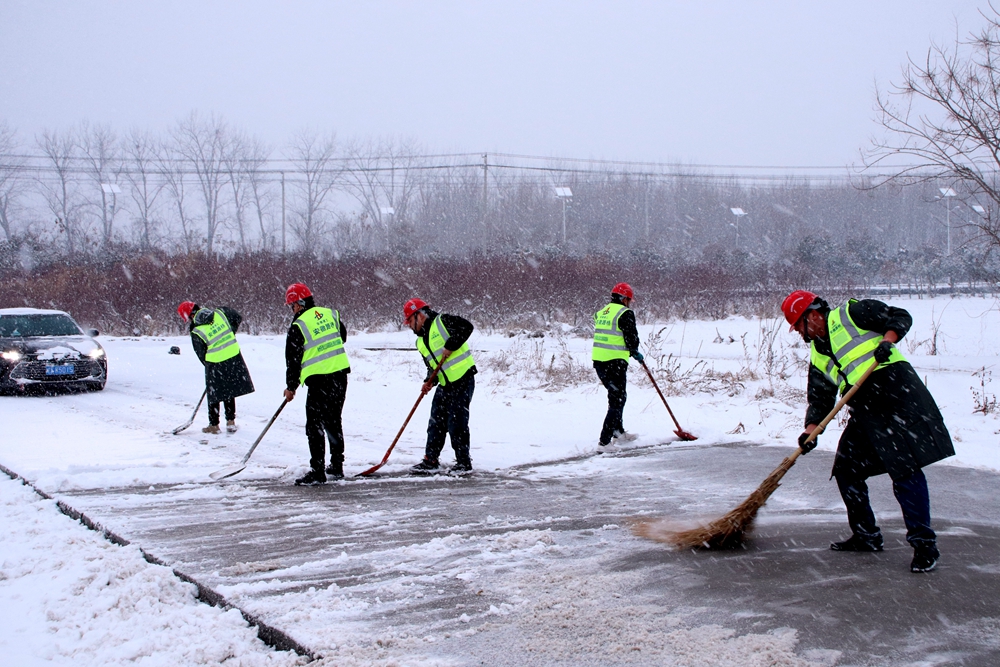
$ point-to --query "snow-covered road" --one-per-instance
(536, 566)
(530, 561)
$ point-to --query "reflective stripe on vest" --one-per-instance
(324, 351)
(219, 338)
(457, 365)
(853, 349)
(609, 341)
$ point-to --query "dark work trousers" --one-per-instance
(450, 416)
(324, 405)
(612, 374)
(213, 411)
(913, 498)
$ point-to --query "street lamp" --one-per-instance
(565, 194)
(946, 193)
(739, 213)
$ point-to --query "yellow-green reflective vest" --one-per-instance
(324, 351)
(853, 349)
(457, 365)
(219, 337)
(609, 341)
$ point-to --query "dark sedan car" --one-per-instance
(43, 349)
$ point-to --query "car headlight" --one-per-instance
(12, 355)
(96, 354)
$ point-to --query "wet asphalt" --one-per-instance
(867, 607)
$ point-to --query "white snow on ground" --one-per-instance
(70, 597)
(66, 595)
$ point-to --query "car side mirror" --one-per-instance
(93, 332)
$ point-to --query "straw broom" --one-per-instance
(730, 530)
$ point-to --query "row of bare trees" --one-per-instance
(208, 187)
(205, 186)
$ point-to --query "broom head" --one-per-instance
(726, 532)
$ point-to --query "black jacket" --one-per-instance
(459, 331)
(895, 425)
(295, 344)
(227, 379)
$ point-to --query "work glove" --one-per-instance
(807, 447)
(637, 355)
(882, 352)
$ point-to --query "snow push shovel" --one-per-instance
(403, 427)
(239, 467)
(183, 426)
(681, 433)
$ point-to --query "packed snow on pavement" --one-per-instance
(68, 596)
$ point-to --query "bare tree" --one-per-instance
(203, 145)
(234, 165)
(59, 186)
(173, 174)
(942, 121)
(146, 183)
(11, 178)
(102, 164)
(314, 157)
(255, 157)
(380, 175)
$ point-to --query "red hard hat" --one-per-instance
(412, 306)
(622, 289)
(796, 304)
(184, 310)
(296, 292)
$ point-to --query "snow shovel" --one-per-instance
(232, 470)
(183, 426)
(729, 530)
(681, 433)
(403, 427)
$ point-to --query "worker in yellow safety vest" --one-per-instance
(895, 426)
(213, 336)
(615, 340)
(315, 356)
(443, 342)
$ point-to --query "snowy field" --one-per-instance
(69, 597)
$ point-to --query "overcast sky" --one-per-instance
(735, 83)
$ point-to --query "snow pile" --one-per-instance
(68, 596)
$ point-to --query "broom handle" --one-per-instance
(403, 427)
(657, 388)
(837, 408)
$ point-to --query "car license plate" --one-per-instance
(59, 369)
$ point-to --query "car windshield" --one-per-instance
(16, 326)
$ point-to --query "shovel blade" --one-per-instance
(228, 472)
(371, 470)
(684, 435)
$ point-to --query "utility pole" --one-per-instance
(283, 248)
(739, 213)
(486, 167)
(565, 194)
(948, 193)
(647, 207)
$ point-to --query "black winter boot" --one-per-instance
(425, 467)
(311, 478)
(857, 543)
(335, 471)
(925, 558)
